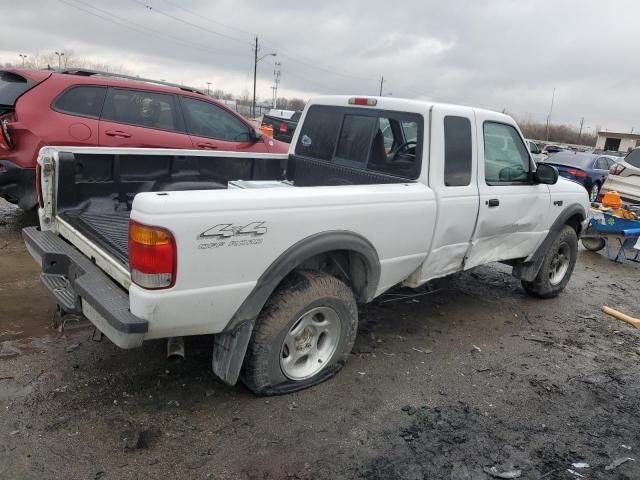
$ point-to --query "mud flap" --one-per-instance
(229, 349)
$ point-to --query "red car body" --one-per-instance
(42, 107)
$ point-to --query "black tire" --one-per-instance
(302, 292)
(544, 285)
(593, 244)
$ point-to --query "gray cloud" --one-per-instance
(494, 53)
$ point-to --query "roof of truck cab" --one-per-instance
(398, 104)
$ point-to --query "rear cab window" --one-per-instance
(458, 154)
(142, 108)
(365, 139)
(82, 100)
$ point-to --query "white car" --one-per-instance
(624, 177)
(154, 244)
(536, 153)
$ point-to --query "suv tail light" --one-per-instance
(574, 172)
(616, 169)
(152, 256)
(5, 139)
(283, 128)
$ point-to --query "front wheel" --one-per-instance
(303, 336)
(557, 266)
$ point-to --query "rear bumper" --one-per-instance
(79, 286)
(18, 185)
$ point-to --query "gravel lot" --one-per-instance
(470, 382)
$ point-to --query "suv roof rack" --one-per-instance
(88, 73)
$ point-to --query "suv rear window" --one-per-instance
(633, 158)
(381, 141)
(83, 100)
(12, 86)
(139, 107)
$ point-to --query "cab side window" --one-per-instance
(457, 151)
(506, 159)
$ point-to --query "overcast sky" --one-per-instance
(500, 54)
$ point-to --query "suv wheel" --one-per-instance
(303, 336)
(557, 266)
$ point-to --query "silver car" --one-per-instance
(624, 177)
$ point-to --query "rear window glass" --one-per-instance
(84, 100)
(319, 133)
(355, 139)
(633, 158)
(137, 107)
(457, 151)
(12, 86)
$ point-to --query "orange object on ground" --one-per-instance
(612, 200)
(267, 130)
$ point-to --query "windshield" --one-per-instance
(633, 158)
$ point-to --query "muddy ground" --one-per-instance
(474, 377)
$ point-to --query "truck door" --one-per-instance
(513, 208)
(453, 179)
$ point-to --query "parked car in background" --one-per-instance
(587, 169)
(89, 108)
(283, 122)
(549, 149)
(624, 177)
(536, 153)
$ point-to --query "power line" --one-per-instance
(186, 22)
(110, 17)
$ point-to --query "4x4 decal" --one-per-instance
(230, 235)
(227, 230)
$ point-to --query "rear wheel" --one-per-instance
(303, 336)
(557, 266)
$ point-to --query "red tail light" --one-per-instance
(152, 256)
(616, 169)
(39, 185)
(283, 128)
(5, 139)
(574, 172)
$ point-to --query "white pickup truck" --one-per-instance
(272, 253)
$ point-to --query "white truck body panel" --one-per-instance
(214, 276)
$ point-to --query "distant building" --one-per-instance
(617, 142)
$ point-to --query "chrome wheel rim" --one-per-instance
(310, 343)
(559, 264)
(594, 193)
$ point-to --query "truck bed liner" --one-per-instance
(108, 230)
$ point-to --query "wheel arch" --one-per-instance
(351, 254)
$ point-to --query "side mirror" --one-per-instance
(546, 174)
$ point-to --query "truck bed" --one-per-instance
(107, 230)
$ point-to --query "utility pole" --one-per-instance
(553, 96)
(255, 75)
(381, 83)
(580, 133)
(208, 88)
(276, 82)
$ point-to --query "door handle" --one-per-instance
(494, 202)
(209, 146)
(117, 133)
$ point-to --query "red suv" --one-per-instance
(87, 108)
